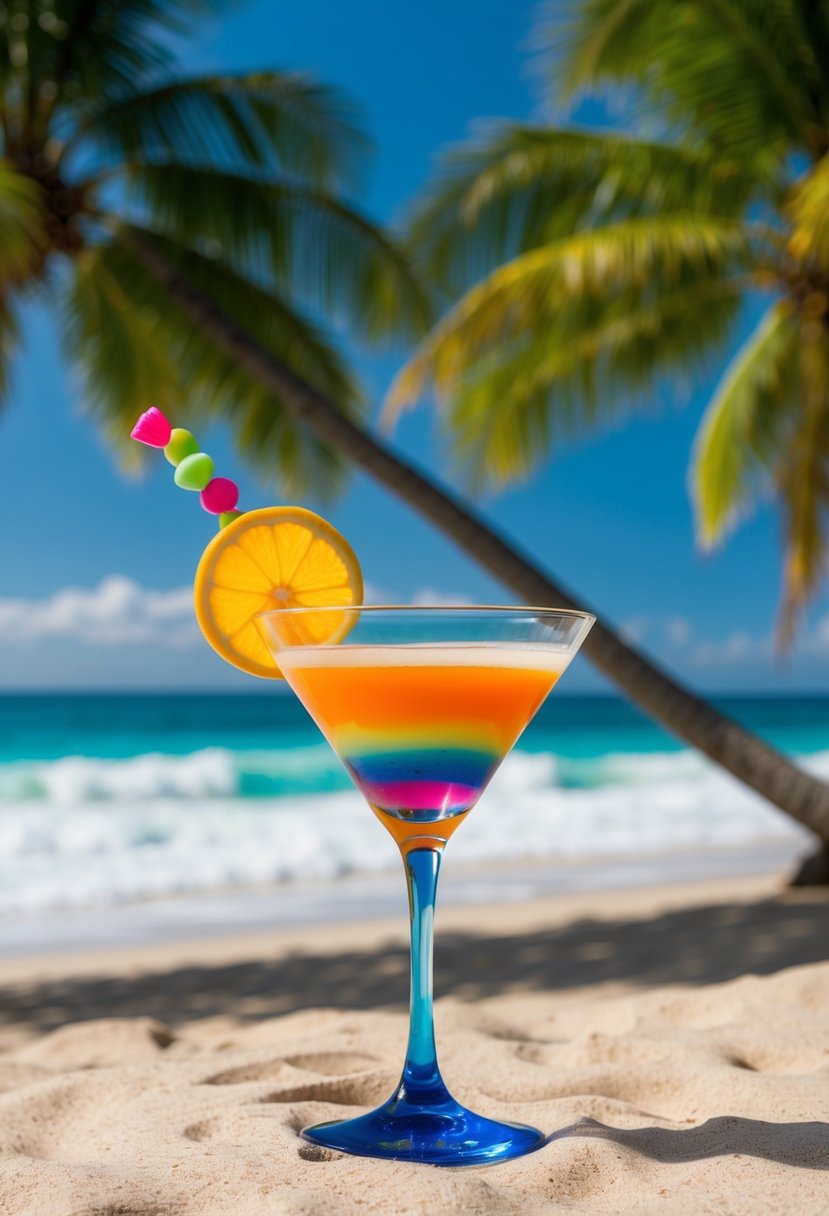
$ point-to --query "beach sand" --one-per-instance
(173, 1079)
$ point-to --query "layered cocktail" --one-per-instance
(422, 705)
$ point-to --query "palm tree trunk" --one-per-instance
(744, 755)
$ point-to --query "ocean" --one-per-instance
(113, 800)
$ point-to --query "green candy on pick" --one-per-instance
(181, 445)
(194, 472)
(227, 517)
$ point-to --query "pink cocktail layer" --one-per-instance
(428, 781)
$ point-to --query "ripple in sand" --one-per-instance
(346, 1091)
(258, 1070)
(333, 1063)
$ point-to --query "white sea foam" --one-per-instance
(210, 773)
(82, 832)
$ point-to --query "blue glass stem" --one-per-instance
(421, 1120)
(421, 1081)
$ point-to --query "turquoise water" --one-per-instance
(109, 798)
(121, 726)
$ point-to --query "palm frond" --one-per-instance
(276, 119)
(587, 368)
(814, 21)
(519, 186)
(732, 70)
(305, 241)
(212, 386)
(71, 53)
(803, 482)
(740, 438)
(809, 214)
(626, 261)
(9, 342)
(111, 337)
(23, 237)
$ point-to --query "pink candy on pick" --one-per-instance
(219, 495)
(152, 428)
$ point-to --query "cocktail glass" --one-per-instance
(422, 705)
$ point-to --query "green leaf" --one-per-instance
(733, 71)
(519, 186)
(588, 368)
(739, 442)
(256, 119)
(628, 262)
(112, 338)
(211, 386)
(803, 481)
(23, 239)
(814, 48)
(809, 214)
(306, 242)
(767, 429)
(9, 342)
(70, 54)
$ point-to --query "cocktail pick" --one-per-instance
(193, 468)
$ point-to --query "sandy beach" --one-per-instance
(415, 432)
(174, 1078)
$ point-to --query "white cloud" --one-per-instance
(429, 596)
(676, 638)
(633, 631)
(120, 612)
(116, 612)
(373, 593)
(816, 641)
(741, 646)
(735, 648)
(676, 630)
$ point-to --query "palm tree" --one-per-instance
(586, 267)
(192, 231)
(240, 178)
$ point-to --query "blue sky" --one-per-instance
(95, 568)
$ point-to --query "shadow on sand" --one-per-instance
(802, 1145)
(691, 946)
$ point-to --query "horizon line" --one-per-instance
(281, 687)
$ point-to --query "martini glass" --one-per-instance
(422, 705)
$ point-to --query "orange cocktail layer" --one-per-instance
(422, 728)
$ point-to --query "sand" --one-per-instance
(174, 1080)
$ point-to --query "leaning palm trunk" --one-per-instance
(748, 758)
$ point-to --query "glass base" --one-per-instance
(442, 1134)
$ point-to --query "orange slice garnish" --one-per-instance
(279, 557)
